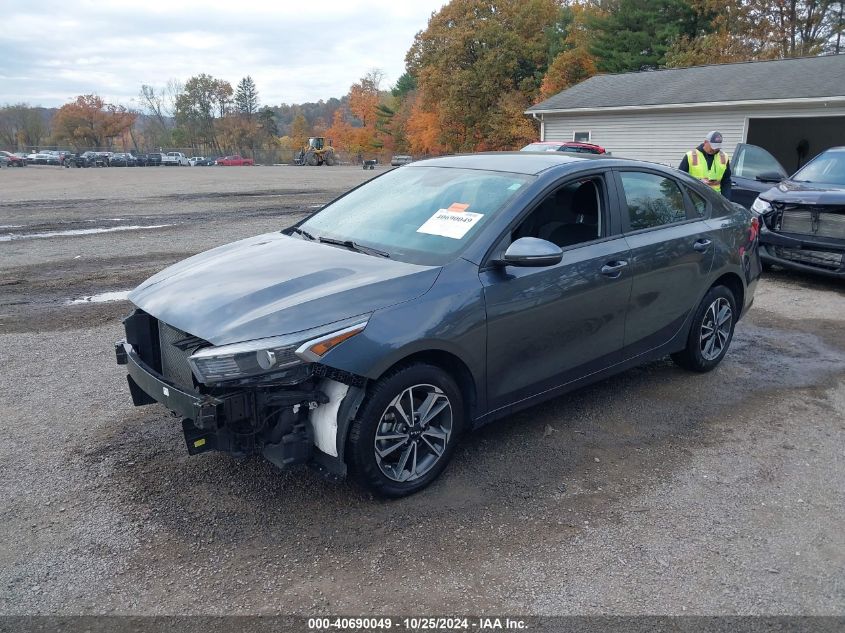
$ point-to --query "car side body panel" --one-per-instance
(449, 318)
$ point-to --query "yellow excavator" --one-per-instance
(317, 152)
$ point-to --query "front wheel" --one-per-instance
(711, 332)
(407, 430)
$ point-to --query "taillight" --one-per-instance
(754, 229)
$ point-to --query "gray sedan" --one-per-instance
(435, 299)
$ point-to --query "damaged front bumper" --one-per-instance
(822, 256)
(805, 237)
(272, 422)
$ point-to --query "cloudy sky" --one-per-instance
(51, 51)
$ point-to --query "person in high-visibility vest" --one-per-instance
(709, 164)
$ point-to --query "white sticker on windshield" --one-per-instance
(448, 223)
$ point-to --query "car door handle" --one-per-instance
(701, 245)
(613, 269)
(733, 183)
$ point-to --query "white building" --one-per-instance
(795, 108)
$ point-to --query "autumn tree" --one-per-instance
(364, 98)
(202, 99)
(246, 97)
(21, 125)
(466, 62)
(300, 130)
(90, 122)
(569, 49)
(747, 30)
(237, 133)
(159, 105)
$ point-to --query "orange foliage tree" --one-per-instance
(90, 122)
(574, 62)
(475, 58)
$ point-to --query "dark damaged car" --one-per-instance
(434, 299)
(803, 217)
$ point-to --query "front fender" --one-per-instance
(449, 318)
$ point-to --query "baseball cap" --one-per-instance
(715, 139)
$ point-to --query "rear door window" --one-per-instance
(652, 200)
(699, 204)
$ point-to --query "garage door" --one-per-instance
(795, 140)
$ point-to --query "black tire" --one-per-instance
(701, 354)
(422, 440)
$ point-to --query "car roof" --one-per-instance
(529, 163)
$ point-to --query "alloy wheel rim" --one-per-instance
(715, 329)
(413, 432)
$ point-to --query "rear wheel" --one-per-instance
(406, 431)
(711, 332)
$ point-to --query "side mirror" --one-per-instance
(769, 176)
(532, 252)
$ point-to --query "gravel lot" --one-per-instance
(655, 492)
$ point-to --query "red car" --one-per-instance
(235, 161)
(14, 159)
(564, 146)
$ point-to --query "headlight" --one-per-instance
(761, 206)
(277, 357)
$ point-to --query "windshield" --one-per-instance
(421, 215)
(540, 147)
(827, 168)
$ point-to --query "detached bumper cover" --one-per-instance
(200, 408)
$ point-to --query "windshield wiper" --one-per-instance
(304, 233)
(368, 250)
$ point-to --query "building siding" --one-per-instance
(664, 136)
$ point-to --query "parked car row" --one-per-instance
(118, 159)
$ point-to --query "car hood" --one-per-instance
(273, 284)
(792, 192)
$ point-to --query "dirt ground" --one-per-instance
(654, 492)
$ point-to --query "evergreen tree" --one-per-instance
(246, 97)
(635, 34)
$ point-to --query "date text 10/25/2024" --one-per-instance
(417, 624)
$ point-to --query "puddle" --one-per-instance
(103, 297)
(14, 236)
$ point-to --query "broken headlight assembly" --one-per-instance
(284, 359)
(761, 206)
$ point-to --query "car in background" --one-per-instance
(193, 160)
(401, 159)
(573, 147)
(121, 159)
(86, 159)
(175, 159)
(4, 161)
(140, 159)
(235, 160)
(38, 158)
(154, 159)
(14, 160)
(802, 223)
(431, 300)
(208, 161)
